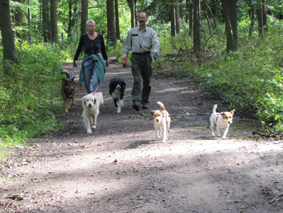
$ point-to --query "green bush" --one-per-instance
(29, 93)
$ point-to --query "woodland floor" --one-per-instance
(122, 167)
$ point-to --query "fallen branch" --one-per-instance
(275, 198)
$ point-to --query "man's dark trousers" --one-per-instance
(142, 71)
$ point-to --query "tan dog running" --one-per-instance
(91, 104)
(161, 122)
(221, 120)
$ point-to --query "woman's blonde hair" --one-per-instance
(90, 20)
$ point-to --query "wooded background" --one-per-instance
(57, 20)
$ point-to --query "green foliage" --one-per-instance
(29, 93)
(249, 79)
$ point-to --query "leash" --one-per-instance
(95, 90)
(73, 71)
(185, 110)
(198, 113)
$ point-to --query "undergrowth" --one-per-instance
(249, 79)
(29, 94)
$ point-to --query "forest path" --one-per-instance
(122, 167)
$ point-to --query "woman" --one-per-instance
(93, 64)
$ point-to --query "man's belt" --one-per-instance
(136, 53)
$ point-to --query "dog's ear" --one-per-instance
(232, 112)
(153, 112)
(83, 100)
(94, 101)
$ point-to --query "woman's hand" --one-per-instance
(75, 63)
(107, 63)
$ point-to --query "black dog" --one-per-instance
(117, 88)
(68, 90)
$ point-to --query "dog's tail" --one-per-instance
(161, 105)
(214, 109)
(68, 76)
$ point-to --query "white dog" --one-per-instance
(161, 122)
(221, 120)
(91, 104)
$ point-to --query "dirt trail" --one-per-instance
(122, 167)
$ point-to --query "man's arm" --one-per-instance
(155, 43)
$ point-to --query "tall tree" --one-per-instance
(70, 18)
(252, 15)
(173, 17)
(9, 51)
(196, 28)
(117, 19)
(264, 17)
(177, 16)
(18, 19)
(54, 27)
(133, 13)
(111, 35)
(29, 23)
(261, 17)
(84, 15)
(190, 14)
(181, 12)
(230, 17)
(45, 21)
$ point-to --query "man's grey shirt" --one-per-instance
(138, 41)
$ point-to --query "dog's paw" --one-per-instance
(94, 126)
(89, 131)
(118, 111)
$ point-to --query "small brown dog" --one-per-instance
(161, 122)
(68, 90)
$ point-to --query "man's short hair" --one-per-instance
(142, 12)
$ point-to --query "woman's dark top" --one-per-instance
(92, 46)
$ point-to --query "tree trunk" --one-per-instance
(111, 35)
(181, 12)
(230, 17)
(259, 19)
(191, 14)
(45, 21)
(84, 16)
(70, 18)
(252, 19)
(177, 17)
(264, 18)
(29, 23)
(18, 20)
(173, 17)
(117, 19)
(9, 51)
(54, 27)
(133, 13)
(196, 28)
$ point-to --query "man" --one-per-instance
(141, 41)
